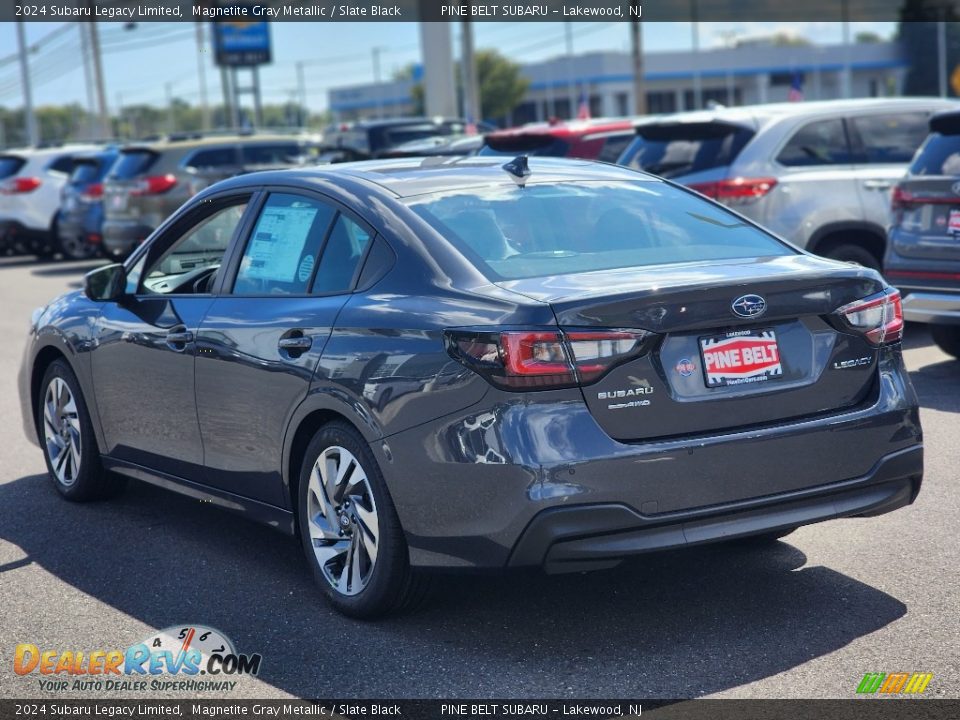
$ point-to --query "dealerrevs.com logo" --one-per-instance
(193, 658)
(894, 683)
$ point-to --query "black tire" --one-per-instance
(77, 250)
(848, 252)
(391, 586)
(88, 480)
(947, 338)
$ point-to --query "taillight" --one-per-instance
(879, 318)
(92, 193)
(154, 184)
(736, 191)
(535, 359)
(18, 185)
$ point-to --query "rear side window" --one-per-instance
(553, 229)
(823, 142)
(213, 158)
(132, 163)
(10, 165)
(279, 154)
(680, 149)
(281, 254)
(341, 257)
(890, 138)
(939, 155)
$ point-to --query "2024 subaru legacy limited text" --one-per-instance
(462, 364)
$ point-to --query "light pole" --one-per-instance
(636, 54)
(30, 120)
(376, 50)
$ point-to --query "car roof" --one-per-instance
(751, 115)
(387, 122)
(408, 177)
(566, 129)
(33, 152)
(189, 143)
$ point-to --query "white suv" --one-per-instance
(819, 174)
(30, 183)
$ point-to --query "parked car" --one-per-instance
(923, 254)
(30, 184)
(448, 145)
(816, 173)
(151, 180)
(368, 139)
(601, 139)
(80, 218)
(473, 364)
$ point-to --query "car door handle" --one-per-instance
(178, 338)
(878, 184)
(296, 343)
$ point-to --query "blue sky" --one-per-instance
(138, 63)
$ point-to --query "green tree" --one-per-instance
(867, 38)
(502, 85)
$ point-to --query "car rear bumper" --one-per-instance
(571, 539)
(925, 306)
(120, 237)
(513, 458)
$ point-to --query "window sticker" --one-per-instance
(278, 243)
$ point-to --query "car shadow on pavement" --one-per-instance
(938, 385)
(680, 624)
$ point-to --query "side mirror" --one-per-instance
(106, 283)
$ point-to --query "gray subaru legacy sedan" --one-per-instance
(458, 364)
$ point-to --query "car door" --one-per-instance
(884, 145)
(262, 338)
(143, 364)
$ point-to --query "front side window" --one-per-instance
(823, 142)
(509, 232)
(187, 265)
(281, 253)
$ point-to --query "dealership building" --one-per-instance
(752, 72)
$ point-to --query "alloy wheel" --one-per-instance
(342, 520)
(61, 431)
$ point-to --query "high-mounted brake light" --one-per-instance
(736, 191)
(535, 359)
(19, 185)
(879, 318)
(154, 185)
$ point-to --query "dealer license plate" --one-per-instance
(740, 357)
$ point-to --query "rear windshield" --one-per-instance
(132, 163)
(674, 150)
(542, 145)
(86, 171)
(10, 165)
(939, 155)
(510, 232)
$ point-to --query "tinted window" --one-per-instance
(891, 138)
(213, 157)
(681, 149)
(542, 145)
(84, 172)
(540, 230)
(282, 250)
(940, 155)
(132, 163)
(200, 248)
(282, 154)
(613, 147)
(818, 143)
(10, 165)
(341, 257)
(63, 164)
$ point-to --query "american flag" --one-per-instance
(796, 88)
(583, 112)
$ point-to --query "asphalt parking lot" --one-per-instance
(806, 617)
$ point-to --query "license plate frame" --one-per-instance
(740, 357)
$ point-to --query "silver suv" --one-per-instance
(816, 173)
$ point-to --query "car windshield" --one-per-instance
(680, 149)
(940, 155)
(512, 232)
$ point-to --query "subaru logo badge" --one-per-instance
(956, 188)
(749, 306)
